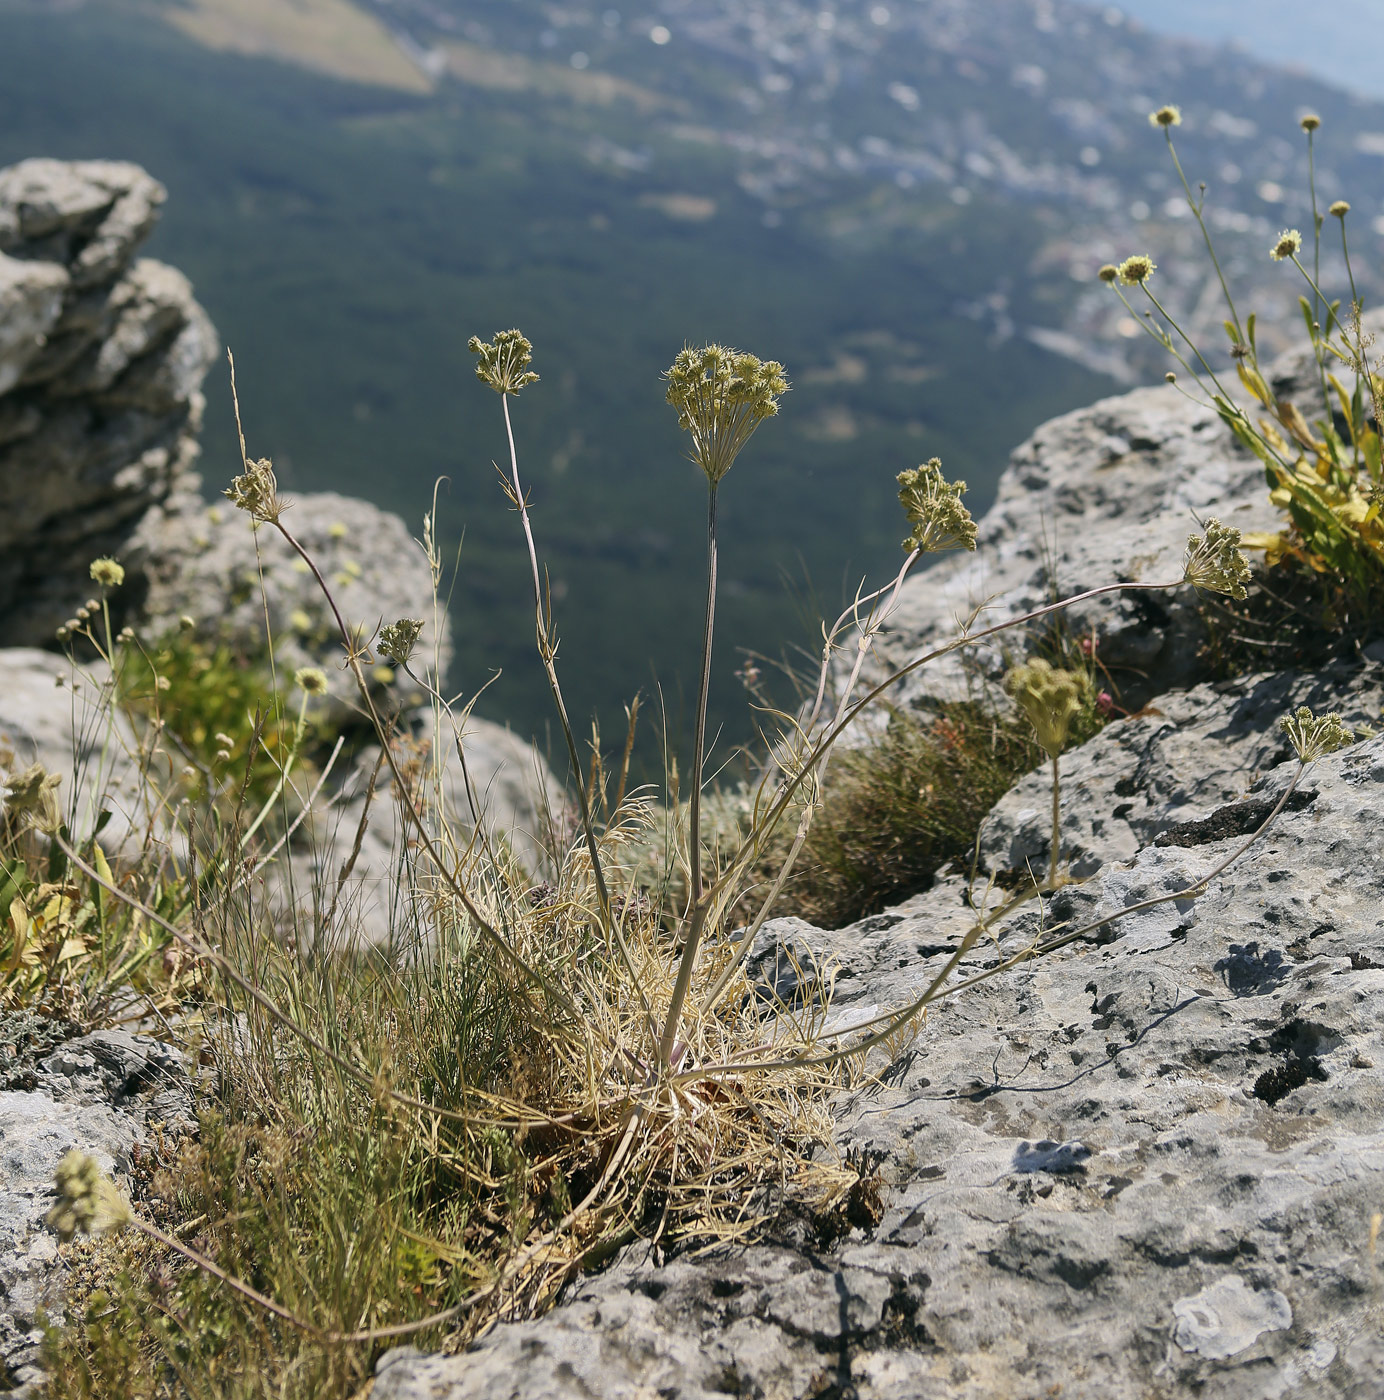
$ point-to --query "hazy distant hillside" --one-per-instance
(1326, 40)
(905, 202)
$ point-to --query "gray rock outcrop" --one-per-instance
(102, 1094)
(1102, 495)
(1141, 1169)
(102, 356)
(1147, 1166)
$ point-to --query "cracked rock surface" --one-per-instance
(100, 1093)
(1144, 1167)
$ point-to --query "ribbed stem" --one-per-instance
(697, 911)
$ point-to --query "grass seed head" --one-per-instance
(88, 1202)
(33, 795)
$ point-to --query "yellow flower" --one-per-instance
(1340, 208)
(1312, 736)
(934, 509)
(1287, 245)
(1050, 699)
(1310, 122)
(311, 680)
(1166, 116)
(1214, 561)
(1109, 273)
(1135, 271)
(107, 572)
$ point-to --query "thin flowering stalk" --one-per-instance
(547, 654)
(1195, 206)
(255, 493)
(503, 365)
(864, 642)
(721, 396)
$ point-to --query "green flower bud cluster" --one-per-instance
(1214, 561)
(257, 492)
(1312, 736)
(722, 396)
(504, 362)
(88, 1202)
(1050, 699)
(934, 509)
(397, 639)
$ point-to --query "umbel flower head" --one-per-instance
(722, 396)
(256, 492)
(397, 639)
(311, 680)
(1287, 245)
(107, 572)
(504, 361)
(1314, 735)
(88, 1202)
(1135, 271)
(934, 509)
(1213, 561)
(1050, 699)
(1166, 116)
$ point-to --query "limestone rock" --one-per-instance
(54, 714)
(1140, 1169)
(101, 361)
(98, 1093)
(1105, 494)
(1188, 754)
(213, 566)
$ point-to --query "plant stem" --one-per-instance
(699, 742)
(547, 655)
(1195, 207)
(1056, 822)
(699, 907)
